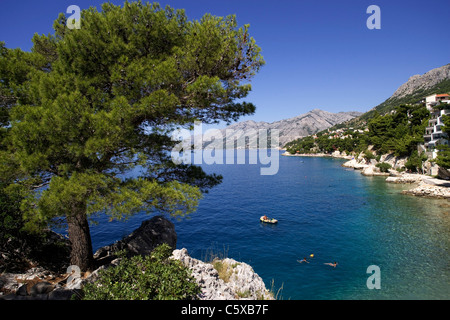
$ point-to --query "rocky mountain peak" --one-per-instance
(422, 82)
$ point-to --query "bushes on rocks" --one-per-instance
(151, 277)
(383, 166)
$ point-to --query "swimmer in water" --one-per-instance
(334, 264)
(304, 260)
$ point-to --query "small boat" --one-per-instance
(268, 220)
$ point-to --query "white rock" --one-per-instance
(243, 282)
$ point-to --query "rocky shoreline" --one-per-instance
(241, 281)
(424, 185)
(37, 283)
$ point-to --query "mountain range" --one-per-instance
(290, 129)
(415, 89)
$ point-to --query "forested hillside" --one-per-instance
(397, 132)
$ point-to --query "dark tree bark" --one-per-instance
(80, 238)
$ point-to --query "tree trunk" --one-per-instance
(80, 238)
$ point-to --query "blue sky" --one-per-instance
(319, 54)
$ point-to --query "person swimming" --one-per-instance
(304, 260)
(334, 264)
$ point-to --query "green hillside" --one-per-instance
(396, 133)
(395, 126)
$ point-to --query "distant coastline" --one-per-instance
(318, 155)
(423, 185)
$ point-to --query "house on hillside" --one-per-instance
(434, 135)
(436, 99)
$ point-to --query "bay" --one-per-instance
(323, 209)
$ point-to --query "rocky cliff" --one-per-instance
(422, 82)
(238, 280)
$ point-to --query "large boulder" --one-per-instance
(443, 173)
(142, 241)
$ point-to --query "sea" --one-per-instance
(387, 245)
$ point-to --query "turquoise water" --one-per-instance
(326, 210)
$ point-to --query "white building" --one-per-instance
(436, 99)
(434, 135)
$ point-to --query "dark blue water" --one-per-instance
(323, 209)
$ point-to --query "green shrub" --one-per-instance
(383, 166)
(368, 155)
(414, 162)
(152, 277)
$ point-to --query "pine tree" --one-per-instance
(101, 100)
